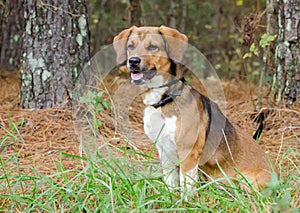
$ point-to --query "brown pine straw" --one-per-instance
(39, 136)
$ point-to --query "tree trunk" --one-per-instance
(172, 14)
(286, 79)
(98, 41)
(135, 13)
(272, 29)
(12, 28)
(183, 7)
(56, 47)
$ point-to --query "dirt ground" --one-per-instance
(39, 136)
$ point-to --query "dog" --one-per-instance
(189, 130)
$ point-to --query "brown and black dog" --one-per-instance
(189, 130)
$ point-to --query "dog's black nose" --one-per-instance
(134, 61)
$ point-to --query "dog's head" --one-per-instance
(149, 50)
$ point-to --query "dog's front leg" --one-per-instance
(169, 161)
(162, 132)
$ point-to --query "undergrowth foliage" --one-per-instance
(96, 104)
(119, 184)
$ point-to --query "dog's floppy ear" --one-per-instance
(120, 42)
(176, 42)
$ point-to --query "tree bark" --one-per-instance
(172, 14)
(56, 47)
(99, 41)
(12, 28)
(286, 79)
(183, 7)
(272, 29)
(135, 13)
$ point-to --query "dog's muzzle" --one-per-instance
(139, 75)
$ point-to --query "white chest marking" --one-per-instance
(157, 127)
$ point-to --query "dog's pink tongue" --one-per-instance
(136, 76)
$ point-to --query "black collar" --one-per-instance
(172, 94)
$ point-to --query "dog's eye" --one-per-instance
(152, 47)
(130, 46)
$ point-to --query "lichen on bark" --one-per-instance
(52, 53)
(286, 83)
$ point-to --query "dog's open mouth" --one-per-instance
(140, 77)
(136, 75)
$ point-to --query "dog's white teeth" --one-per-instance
(136, 76)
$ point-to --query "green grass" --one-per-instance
(110, 184)
(118, 185)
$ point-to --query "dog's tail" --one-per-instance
(260, 120)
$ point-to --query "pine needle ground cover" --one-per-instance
(43, 170)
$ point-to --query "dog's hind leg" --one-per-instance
(188, 178)
(189, 171)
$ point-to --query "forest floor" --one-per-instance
(41, 136)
